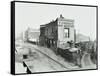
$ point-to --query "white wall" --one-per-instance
(5, 39)
(61, 34)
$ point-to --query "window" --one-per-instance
(66, 32)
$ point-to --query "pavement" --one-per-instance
(86, 62)
(51, 54)
(42, 62)
(19, 68)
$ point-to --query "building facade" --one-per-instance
(32, 35)
(57, 33)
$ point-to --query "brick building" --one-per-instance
(57, 33)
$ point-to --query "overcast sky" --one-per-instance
(33, 15)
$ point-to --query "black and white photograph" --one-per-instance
(52, 37)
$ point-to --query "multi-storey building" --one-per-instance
(32, 35)
(57, 33)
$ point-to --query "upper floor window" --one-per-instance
(66, 32)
